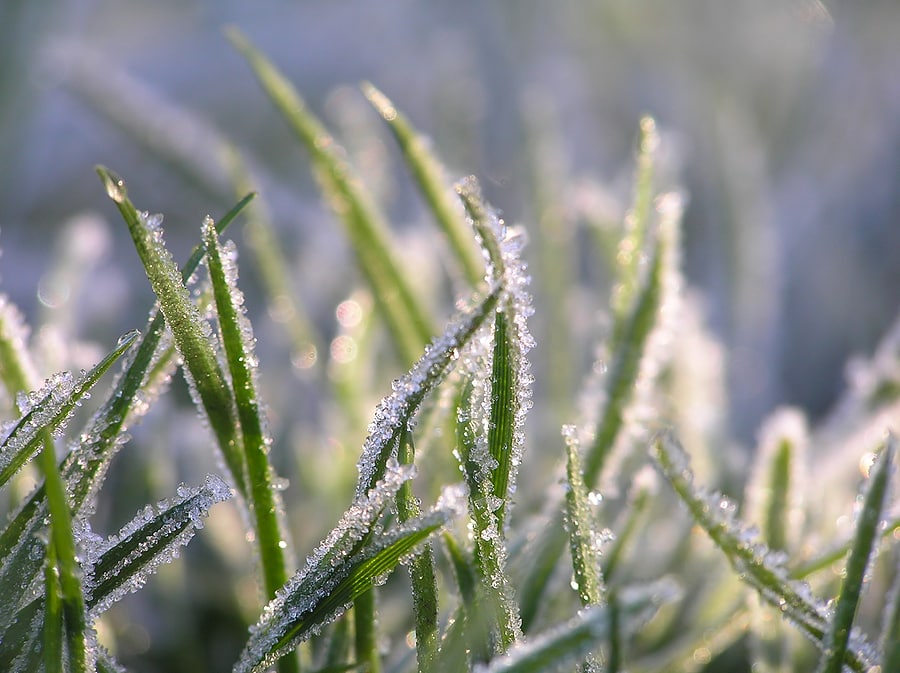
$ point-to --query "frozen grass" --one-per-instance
(606, 573)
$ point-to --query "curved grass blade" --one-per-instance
(50, 409)
(356, 555)
(837, 637)
(757, 566)
(122, 563)
(85, 466)
(406, 318)
(394, 412)
(237, 340)
(190, 332)
(429, 176)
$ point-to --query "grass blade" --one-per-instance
(421, 571)
(428, 174)
(49, 409)
(837, 637)
(16, 369)
(190, 332)
(355, 556)
(85, 466)
(406, 319)
(583, 539)
(237, 339)
(122, 563)
(756, 565)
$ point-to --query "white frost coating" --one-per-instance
(758, 566)
(328, 565)
(408, 391)
(171, 524)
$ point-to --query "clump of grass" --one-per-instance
(608, 574)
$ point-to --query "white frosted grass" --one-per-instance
(358, 536)
(122, 563)
(397, 409)
(758, 566)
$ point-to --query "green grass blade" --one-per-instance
(85, 467)
(188, 329)
(63, 541)
(406, 318)
(428, 174)
(503, 412)
(237, 340)
(421, 570)
(122, 563)
(50, 409)
(394, 411)
(583, 539)
(495, 593)
(16, 368)
(890, 629)
(837, 638)
(355, 556)
(54, 623)
(757, 566)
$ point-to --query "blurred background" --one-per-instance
(780, 121)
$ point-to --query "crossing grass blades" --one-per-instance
(605, 574)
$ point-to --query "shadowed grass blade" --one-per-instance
(757, 566)
(406, 318)
(121, 564)
(837, 637)
(191, 333)
(428, 174)
(238, 340)
(355, 556)
(50, 408)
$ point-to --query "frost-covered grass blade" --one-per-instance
(122, 563)
(755, 564)
(837, 637)
(238, 342)
(190, 332)
(406, 318)
(50, 408)
(356, 555)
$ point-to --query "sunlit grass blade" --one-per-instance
(122, 563)
(237, 340)
(53, 617)
(756, 565)
(428, 174)
(50, 408)
(354, 557)
(837, 637)
(404, 314)
(583, 538)
(394, 412)
(190, 332)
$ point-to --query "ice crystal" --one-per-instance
(122, 563)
